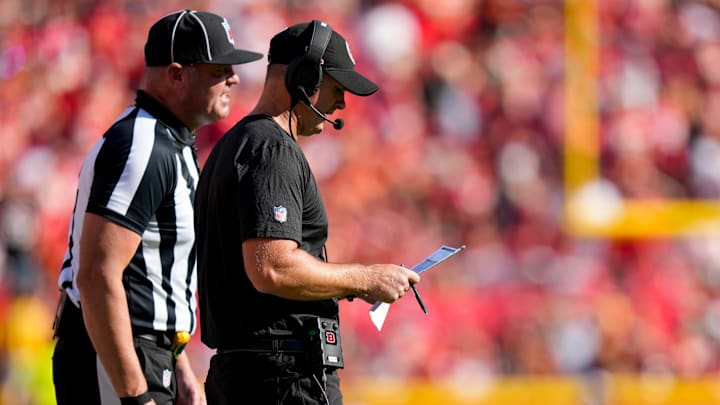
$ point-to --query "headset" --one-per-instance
(304, 73)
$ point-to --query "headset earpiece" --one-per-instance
(305, 71)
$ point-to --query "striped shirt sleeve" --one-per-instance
(131, 175)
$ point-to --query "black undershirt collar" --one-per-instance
(179, 131)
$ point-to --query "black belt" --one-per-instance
(162, 339)
(267, 346)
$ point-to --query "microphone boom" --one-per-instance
(339, 123)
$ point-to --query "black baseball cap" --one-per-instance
(189, 36)
(338, 61)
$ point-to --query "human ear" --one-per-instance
(174, 72)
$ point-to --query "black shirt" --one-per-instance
(256, 184)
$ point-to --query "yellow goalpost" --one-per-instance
(586, 215)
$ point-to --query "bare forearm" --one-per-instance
(311, 279)
(280, 268)
(103, 258)
(107, 321)
(190, 391)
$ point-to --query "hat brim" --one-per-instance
(236, 57)
(353, 81)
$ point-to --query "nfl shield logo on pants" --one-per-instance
(280, 213)
(166, 378)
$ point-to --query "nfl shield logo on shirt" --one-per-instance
(280, 213)
(167, 378)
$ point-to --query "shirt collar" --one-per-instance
(179, 131)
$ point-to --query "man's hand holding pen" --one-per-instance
(417, 296)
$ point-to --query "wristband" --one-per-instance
(141, 399)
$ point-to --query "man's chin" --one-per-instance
(314, 130)
(318, 128)
(220, 113)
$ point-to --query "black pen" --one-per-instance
(417, 296)
(419, 300)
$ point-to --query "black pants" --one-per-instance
(80, 379)
(269, 379)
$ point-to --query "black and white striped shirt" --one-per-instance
(142, 175)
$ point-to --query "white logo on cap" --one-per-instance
(347, 46)
(228, 31)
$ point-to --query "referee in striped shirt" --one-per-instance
(128, 282)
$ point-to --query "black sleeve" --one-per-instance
(271, 191)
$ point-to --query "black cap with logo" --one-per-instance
(338, 61)
(189, 36)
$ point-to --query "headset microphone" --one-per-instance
(339, 123)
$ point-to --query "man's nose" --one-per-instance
(340, 104)
(233, 79)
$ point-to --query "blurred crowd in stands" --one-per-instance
(462, 145)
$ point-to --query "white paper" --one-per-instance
(379, 311)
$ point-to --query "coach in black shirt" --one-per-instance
(128, 280)
(266, 288)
